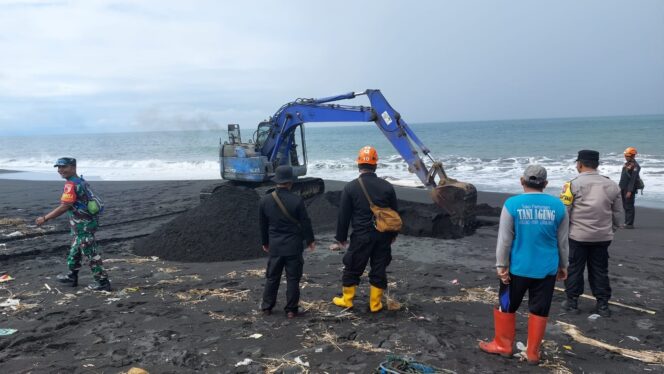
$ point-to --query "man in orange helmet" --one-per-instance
(629, 183)
(366, 243)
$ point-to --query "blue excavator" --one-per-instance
(276, 142)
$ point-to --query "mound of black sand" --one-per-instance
(419, 219)
(225, 226)
(222, 228)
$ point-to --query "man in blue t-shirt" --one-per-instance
(531, 254)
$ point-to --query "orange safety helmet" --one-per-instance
(630, 151)
(367, 155)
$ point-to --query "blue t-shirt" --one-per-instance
(537, 216)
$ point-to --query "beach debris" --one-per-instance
(593, 316)
(299, 361)
(455, 281)
(14, 234)
(5, 278)
(614, 303)
(135, 370)
(194, 296)
(7, 332)
(403, 364)
(245, 362)
(47, 286)
(88, 365)
(130, 289)
(520, 346)
(567, 347)
(255, 336)
(477, 294)
(651, 357)
(111, 300)
(633, 338)
(10, 303)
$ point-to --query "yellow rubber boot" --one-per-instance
(346, 300)
(375, 299)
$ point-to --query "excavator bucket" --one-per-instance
(458, 199)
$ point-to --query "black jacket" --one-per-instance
(629, 175)
(284, 236)
(354, 207)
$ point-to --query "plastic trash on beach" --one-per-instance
(10, 303)
(455, 281)
(5, 278)
(520, 346)
(634, 338)
(6, 332)
(299, 361)
(256, 336)
(14, 234)
(244, 362)
(593, 317)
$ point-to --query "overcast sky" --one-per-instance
(101, 66)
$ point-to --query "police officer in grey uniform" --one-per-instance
(283, 234)
(595, 212)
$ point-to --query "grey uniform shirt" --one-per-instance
(596, 210)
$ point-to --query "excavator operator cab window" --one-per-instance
(262, 133)
(234, 133)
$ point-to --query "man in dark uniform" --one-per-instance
(285, 226)
(83, 223)
(628, 185)
(366, 243)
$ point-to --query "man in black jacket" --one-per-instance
(366, 243)
(629, 177)
(285, 226)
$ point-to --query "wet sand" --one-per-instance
(171, 317)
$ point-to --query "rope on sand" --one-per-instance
(406, 365)
(614, 303)
(651, 357)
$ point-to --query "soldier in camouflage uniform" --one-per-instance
(74, 202)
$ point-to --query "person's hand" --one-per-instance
(312, 246)
(266, 248)
(628, 194)
(337, 246)
(562, 274)
(40, 220)
(503, 274)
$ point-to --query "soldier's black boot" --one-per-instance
(71, 278)
(100, 285)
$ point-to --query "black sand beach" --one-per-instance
(185, 317)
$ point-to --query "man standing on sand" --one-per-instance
(285, 226)
(629, 183)
(366, 243)
(595, 212)
(83, 223)
(531, 254)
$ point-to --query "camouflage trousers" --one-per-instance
(84, 243)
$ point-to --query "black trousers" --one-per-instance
(373, 248)
(628, 206)
(275, 266)
(540, 293)
(594, 255)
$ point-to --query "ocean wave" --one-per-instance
(498, 175)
